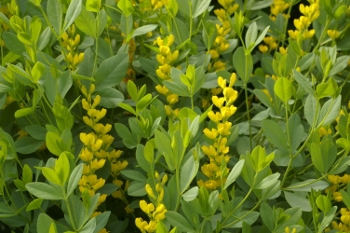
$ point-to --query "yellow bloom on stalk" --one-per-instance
(212, 134)
(334, 34)
(147, 208)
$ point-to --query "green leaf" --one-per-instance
(326, 89)
(234, 173)
(199, 7)
(327, 219)
(52, 228)
(164, 147)
(243, 64)
(134, 175)
(27, 174)
(74, 178)
(13, 43)
(268, 181)
(329, 111)
(132, 90)
(51, 175)
(86, 22)
(190, 194)
(126, 7)
(310, 109)
(323, 203)
(62, 167)
(177, 220)
(54, 14)
(251, 35)
(93, 5)
(37, 72)
(110, 97)
(187, 173)
(307, 185)
(298, 200)
(45, 191)
(52, 143)
(284, 89)
(144, 30)
(35, 204)
(23, 112)
(128, 108)
(44, 223)
(25, 38)
(275, 134)
(27, 145)
(73, 12)
(137, 189)
(111, 71)
(303, 82)
(123, 132)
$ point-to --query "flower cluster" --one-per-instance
(70, 41)
(217, 153)
(310, 14)
(278, 7)
(337, 183)
(270, 44)
(344, 225)
(155, 212)
(166, 57)
(97, 146)
(221, 44)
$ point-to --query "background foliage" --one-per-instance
(174, 116)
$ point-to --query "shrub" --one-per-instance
(174, 116)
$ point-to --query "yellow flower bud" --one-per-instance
(140, 224)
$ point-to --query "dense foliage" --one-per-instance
(174, 116)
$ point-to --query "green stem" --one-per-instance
(248, 114)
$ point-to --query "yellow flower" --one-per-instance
(334, 34)
(307, 34)
(97, 164)
(215, 117)
(151, 227)
(140, 224)
(263, 48)
(149, 191)
(224, 128)
(222, 82)
(146, 208)
(209, 150)
(293, 34)
(172, 99)
(337, 197)
(218, 102)
(102, 129)
(103, 230)
(86, 155)
(162, 89)
(212, 134)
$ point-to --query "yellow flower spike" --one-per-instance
(70, 58)
(141, 224)
(212, 134)
(65, 36)
(107, 140)
(345, 219)
(86, 155)
(85, 104)
(282, 50)
(162, 89)
(172, 99)
(160, 74)
(230, 95)
(149, 191)
(211, 184)
(170, 40)
(222, 82)
(160, 209)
